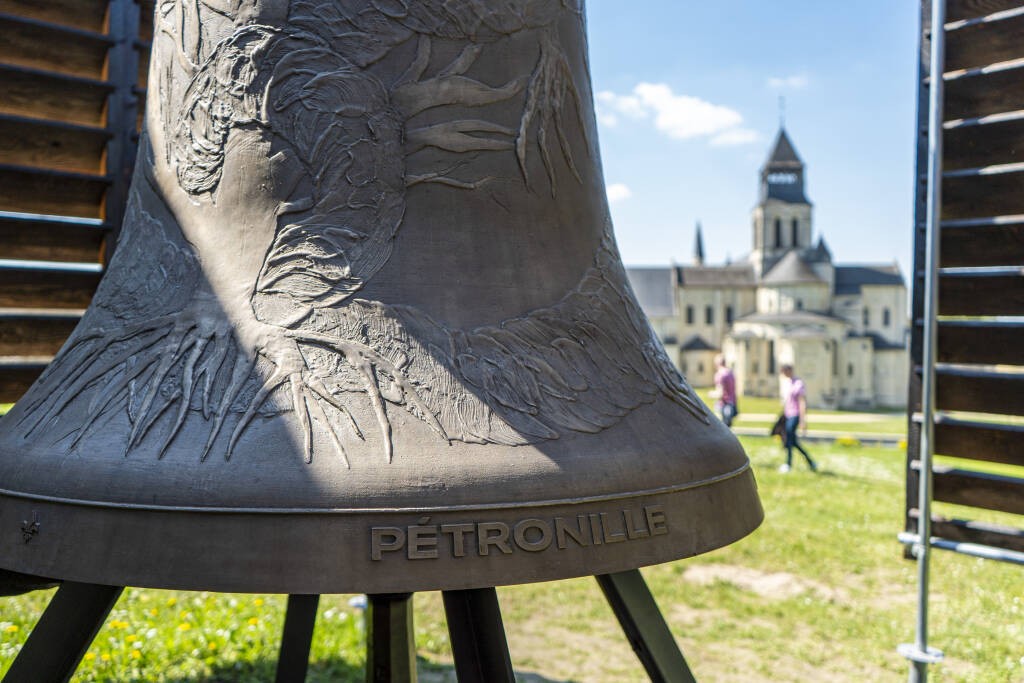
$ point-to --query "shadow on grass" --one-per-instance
(333, 671)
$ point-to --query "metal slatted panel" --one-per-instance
(72, 79)
(979, 337)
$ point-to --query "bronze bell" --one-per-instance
(366, 328)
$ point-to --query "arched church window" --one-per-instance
(849, 369)
(796, 232)
(867, 317)
(728, 315)
(778, 232)
(886, 317)
(799, 304)
(689, 315)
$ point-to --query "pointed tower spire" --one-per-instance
(698, 247)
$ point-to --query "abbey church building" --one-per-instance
(843, 327)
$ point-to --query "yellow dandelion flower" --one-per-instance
(13, 628)
(105, 657)
(153, 612)
(131, 638)
(171, 602)
(184, 627)
(118, 624)
(212, 646)
(136, 654)
(258, 602)
(89, 656)
(253, 621)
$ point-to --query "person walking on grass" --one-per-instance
(794, 409)
(725, 388)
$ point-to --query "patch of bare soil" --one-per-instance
(771, 585)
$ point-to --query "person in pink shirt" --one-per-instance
(794, 409)
(725, 387)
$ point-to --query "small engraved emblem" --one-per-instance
(30, 529)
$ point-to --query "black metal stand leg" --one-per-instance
(299, 621)
(63, 634)
(478, 636)
(390, 647)
(644, 626)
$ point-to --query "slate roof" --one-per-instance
(850, 279)
(791, 269)
(696, 343)
(880, 343)
(783, 153)
(732, 275)
(654, 289)
(783, 159)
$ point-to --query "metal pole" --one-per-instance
(919, 653)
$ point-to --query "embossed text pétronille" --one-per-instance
(426, 541)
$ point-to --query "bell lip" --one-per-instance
(369, 510)
(223, 553)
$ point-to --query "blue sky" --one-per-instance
(687, 95)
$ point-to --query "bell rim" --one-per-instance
(223, 553)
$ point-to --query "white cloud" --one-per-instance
(681, 117)
(618, 192)
(794, 82)
(735, 136)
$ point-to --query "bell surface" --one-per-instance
(366, 328)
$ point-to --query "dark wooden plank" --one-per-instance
(963, 531)
(984, 343)
(982, 245)
(981, 295)
(143, 75)
(89, 15)
(979, 489)
(984, 142)
(980, 441)
(16, 377)
(44, 288)
(51, 47)
(51, 144)
(146, 15)
(975, 44)
(37, 332)
(51, 240)
(984, 92)
(959, 10)
(41, 94)
(62, 193)
(994, 191)
(979, 391)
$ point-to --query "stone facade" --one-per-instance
(843, 327)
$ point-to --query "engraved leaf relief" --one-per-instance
(299, 340)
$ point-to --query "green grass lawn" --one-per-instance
(819, 593)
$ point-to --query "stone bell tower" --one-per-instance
(782, 217)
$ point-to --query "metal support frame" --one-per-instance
(478, 636)
(64, 632)
(918, 652)
(390, 646)
(645, 627)
(78, 610)
(299, 622)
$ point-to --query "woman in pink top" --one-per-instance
(794, 409)
(725, 387)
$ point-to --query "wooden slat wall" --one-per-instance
(980, 361)
(72, 79)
